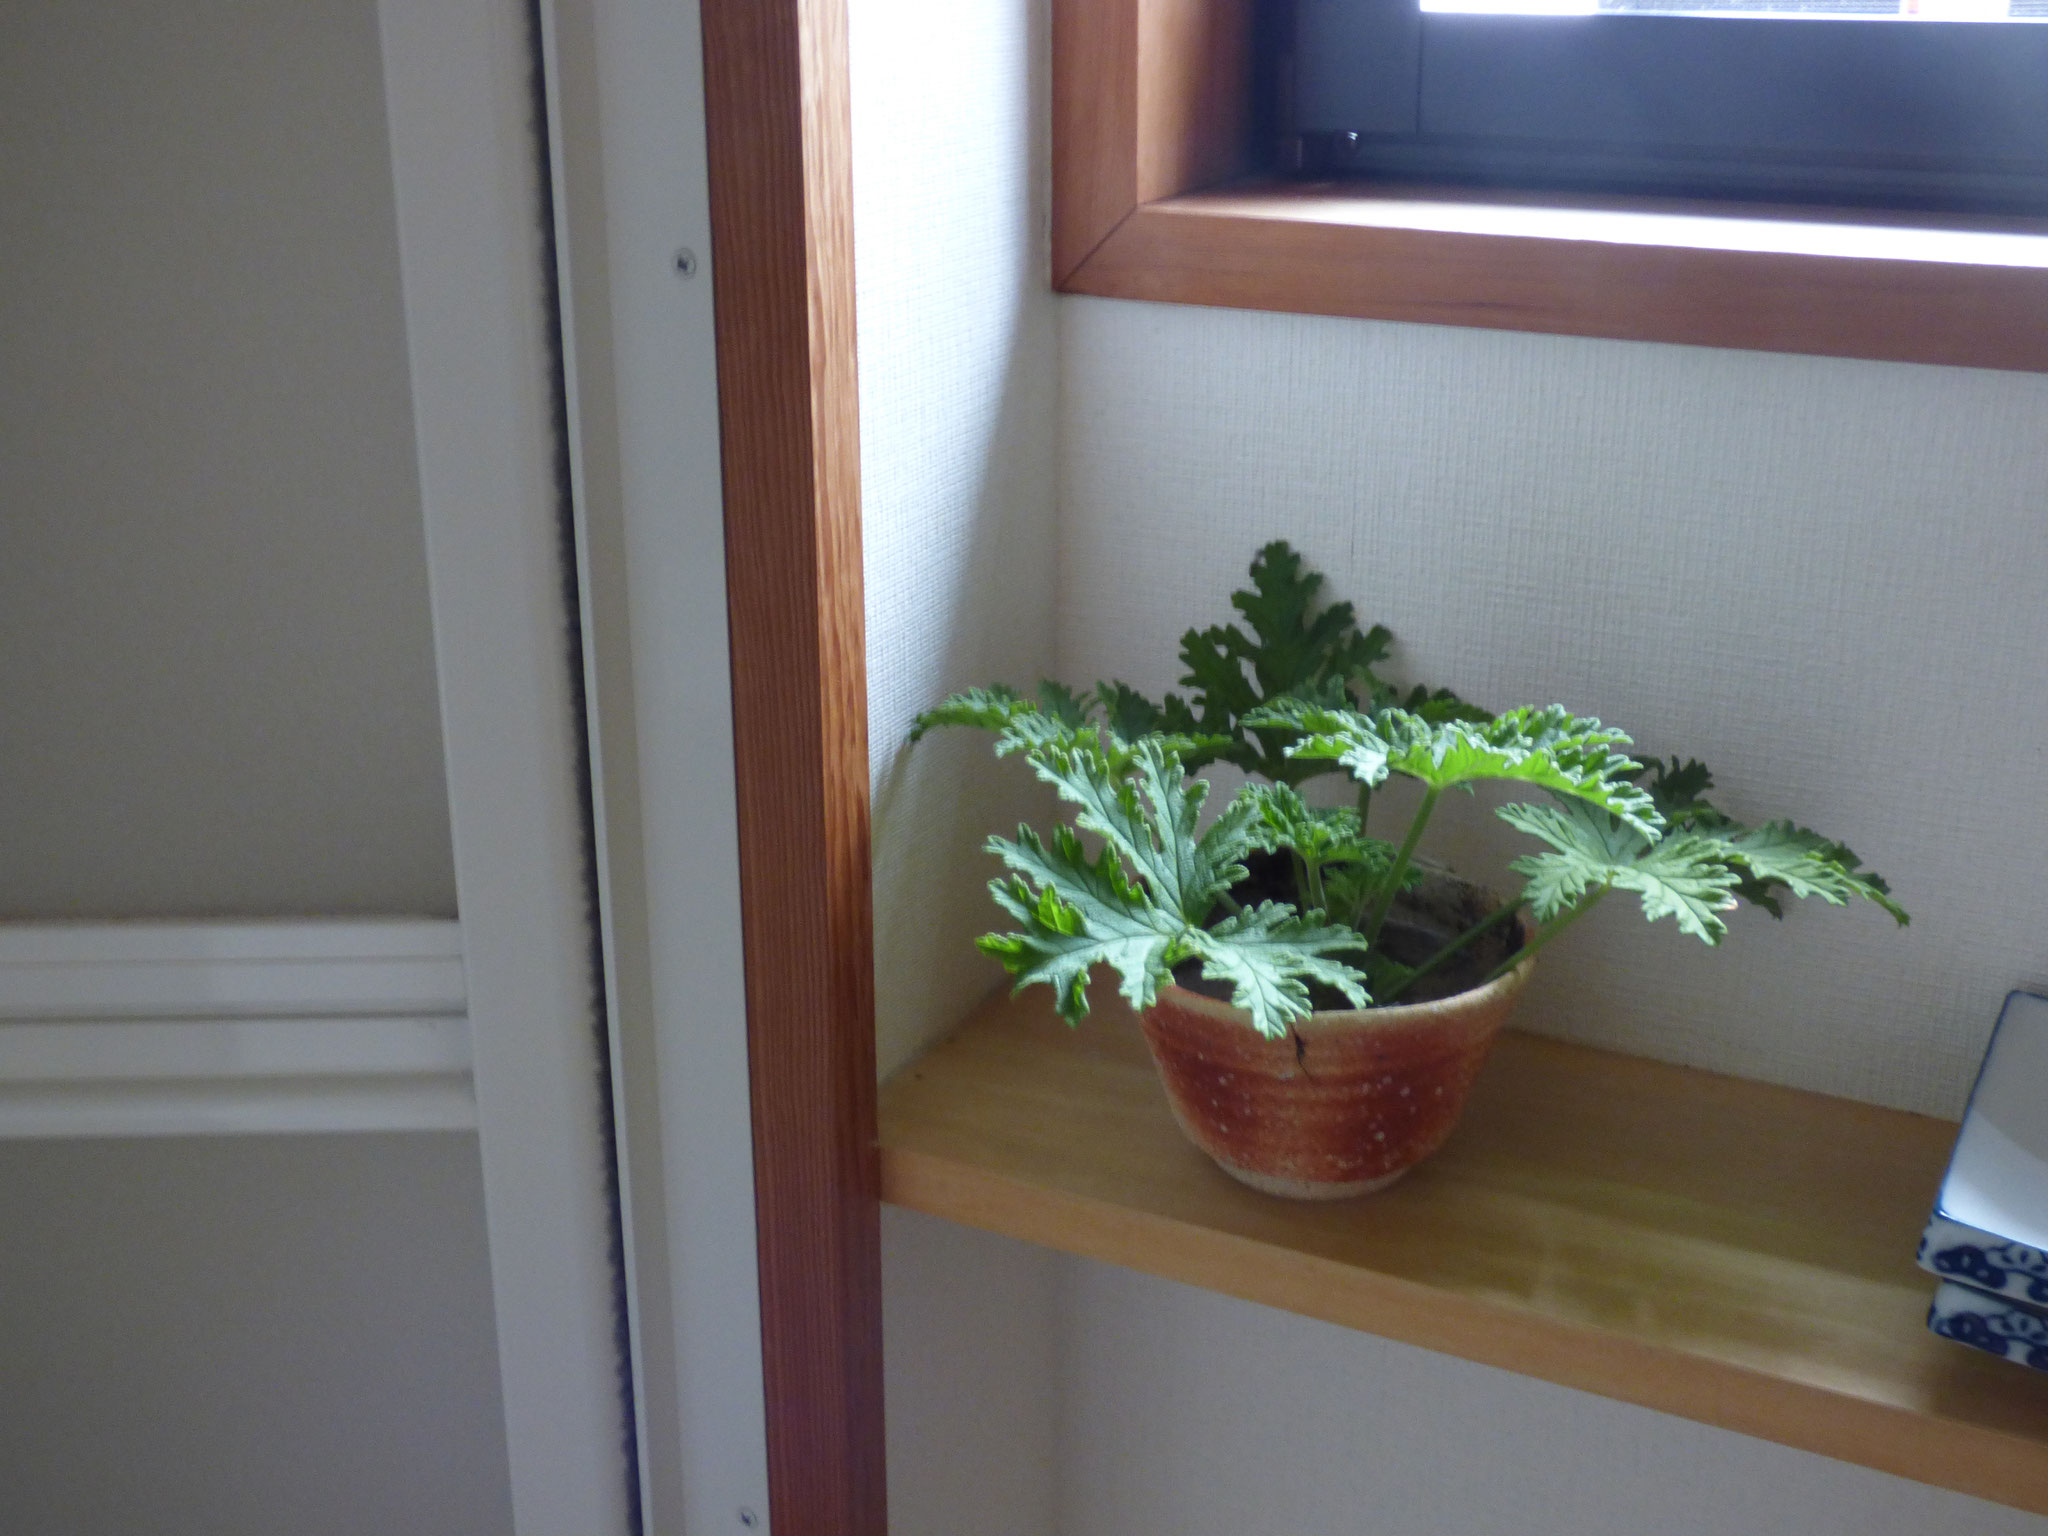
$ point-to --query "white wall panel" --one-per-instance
(971, 1321)
(215, 648)
(217, 697)
(1201, 1415)
(140, 1029)
(248, 1335)
(1820, 576)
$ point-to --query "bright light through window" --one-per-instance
(1890, 10)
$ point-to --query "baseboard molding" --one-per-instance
(157, 1029)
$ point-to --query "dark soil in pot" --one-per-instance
(1423, 920)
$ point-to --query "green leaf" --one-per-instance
(1060, 716)
(1078, 914)
(1295, 649)
(1269, 954)
(1775, 857)
(1550, 748)
(1130, 714)
(1148, 817)
(1436, 706)
(1283, 821)
(988, 709)
(1298, 647)
(1683, 875)
(1781, 855)
(1179, 868)
(1351, 887)
(1061, 703)
(1020, 724)
(1216, 676)
(1075, 913)
(1679, 790)
(1321, 835)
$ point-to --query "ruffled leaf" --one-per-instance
(1550, 748)
(1683, 875)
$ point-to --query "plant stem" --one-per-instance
(1317, 898)
(1544, 936)
(1300, 879)
(1384, 901)
(1457, 946)
(1364, 806)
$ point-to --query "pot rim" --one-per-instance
(1330, 1020)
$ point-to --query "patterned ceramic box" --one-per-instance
(1985, 1262)
(1989, 1234)
(1990, 1323)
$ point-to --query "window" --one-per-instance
(1162, 190)
(1903, 103)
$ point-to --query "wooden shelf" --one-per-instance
(1715, 1248)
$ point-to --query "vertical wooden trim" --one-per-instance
(782, 250)
(1150, 99)
(1193, 117)
(1094, 126)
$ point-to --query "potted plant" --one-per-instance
(1318, 999)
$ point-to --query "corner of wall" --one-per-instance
(958, 412)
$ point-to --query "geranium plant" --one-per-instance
(1284, 905)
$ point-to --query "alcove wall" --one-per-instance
(1811, 573)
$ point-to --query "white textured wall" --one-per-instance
(957, 337)
(1819, 576)
(972, 1323)
(957, 374)
(216, 667)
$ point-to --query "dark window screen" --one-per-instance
(1812, 100)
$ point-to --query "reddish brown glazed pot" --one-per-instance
(1344, 1105)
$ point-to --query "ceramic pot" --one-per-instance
(1344, 1105)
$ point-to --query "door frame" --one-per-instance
(459, 103)
(729, 802)
(636, 280)
(777, 97)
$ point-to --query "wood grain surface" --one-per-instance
(1895, 290)
(1094, 126)
(1719, 1249)
(1148, 99)
(782, 263)
(1194, 89)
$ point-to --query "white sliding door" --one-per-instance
(374, 1135)
(467, 174)
(630, 241)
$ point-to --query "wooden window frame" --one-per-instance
(1154, 198)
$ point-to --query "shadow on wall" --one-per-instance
(958, 415)
(935, 804)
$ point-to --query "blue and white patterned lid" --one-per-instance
(1990, 1223)
(1990, 1323)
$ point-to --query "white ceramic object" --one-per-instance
(1989, 1230)
(1994, 1324)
